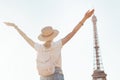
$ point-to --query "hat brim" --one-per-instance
(51, 37)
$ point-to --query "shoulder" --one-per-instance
(58, 43)
(37, 46)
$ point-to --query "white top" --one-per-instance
(54, 52)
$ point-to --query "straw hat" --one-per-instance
(48, 33)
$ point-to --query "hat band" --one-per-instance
(47, 35)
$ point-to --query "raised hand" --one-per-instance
(89, 13)
(10, 24)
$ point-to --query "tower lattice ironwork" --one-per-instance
(98, 72)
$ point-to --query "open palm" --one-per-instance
(89, 13)
(9, 24)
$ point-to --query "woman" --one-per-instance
(49, 54)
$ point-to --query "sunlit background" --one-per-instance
(17, 58)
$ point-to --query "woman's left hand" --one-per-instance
(89, 13)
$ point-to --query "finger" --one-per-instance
(7, 23)
(92, 11)
(88, 11)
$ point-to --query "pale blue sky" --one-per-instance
(17, 58)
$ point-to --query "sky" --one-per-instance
(18, 59)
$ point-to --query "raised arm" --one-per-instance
(31, 42)
(77, 27)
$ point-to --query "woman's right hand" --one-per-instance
(10, 24)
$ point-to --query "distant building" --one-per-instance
(98, 72)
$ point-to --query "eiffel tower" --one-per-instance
(98, 72)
